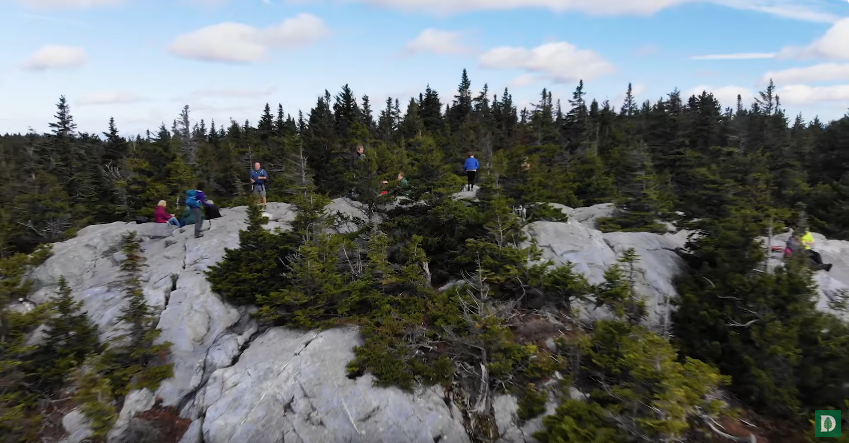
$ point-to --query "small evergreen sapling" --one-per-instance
(69, 337)
(136, 359)
(257, 267)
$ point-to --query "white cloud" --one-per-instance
(806, 95)
(240, 43)
(832, 46)
(239, 109)
(560, 62)
(68, 4)
(809, 74)
(647, 50)
(727, 95)
(807, 10)
(51, 19)
(234, 93)
(56, 57)
(522, 80)
(740, 56)
(439, 42)
(109, 98)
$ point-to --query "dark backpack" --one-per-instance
(212, 212)
(192, 199)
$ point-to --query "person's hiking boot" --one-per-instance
(199, 236)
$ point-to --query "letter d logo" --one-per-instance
(827, 423)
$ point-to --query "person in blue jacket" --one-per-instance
(471, 168)
(258, 178)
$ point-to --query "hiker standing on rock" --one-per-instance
(195, 211)
(471, 168)
(258, 178)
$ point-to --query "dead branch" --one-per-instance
(715, 427)
(735, 324)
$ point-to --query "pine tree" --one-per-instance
(135, 358)
(115, 147)
(629, 106)
(69, 337)
(576, 121)
(181, 177)
(256, 267)
(265, 126)
(462, 106)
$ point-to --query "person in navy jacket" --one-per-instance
(258, 178)
(471, 168)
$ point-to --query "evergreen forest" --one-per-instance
(742, 343)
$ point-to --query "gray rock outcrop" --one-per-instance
(238, 384)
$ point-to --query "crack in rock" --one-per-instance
(185, 253)
(368, 416)
(287, 407)
(239, 327)
(273, 379)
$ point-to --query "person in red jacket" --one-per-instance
(162, 216)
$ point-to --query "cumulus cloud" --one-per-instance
(727, 95)
(795, 9)
(56, 57)
(560, 62)
(806, 95)
(67, 4)
(438, 41)
(240, 43)
(109, 98)
(832, 46)
(809, 74)
(740, 56)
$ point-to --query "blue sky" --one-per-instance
(141, 61)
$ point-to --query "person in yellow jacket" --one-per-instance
(808, 242)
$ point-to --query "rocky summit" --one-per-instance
(234, 382)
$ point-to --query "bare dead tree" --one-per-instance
(119, 181)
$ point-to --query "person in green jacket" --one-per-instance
(403, 184)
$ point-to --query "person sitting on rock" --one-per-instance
(403, 184)
(794, 244)
(160, 215)
(808, 242)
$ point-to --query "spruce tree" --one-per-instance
(256, 266)
(135, 360)
(69, 337)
